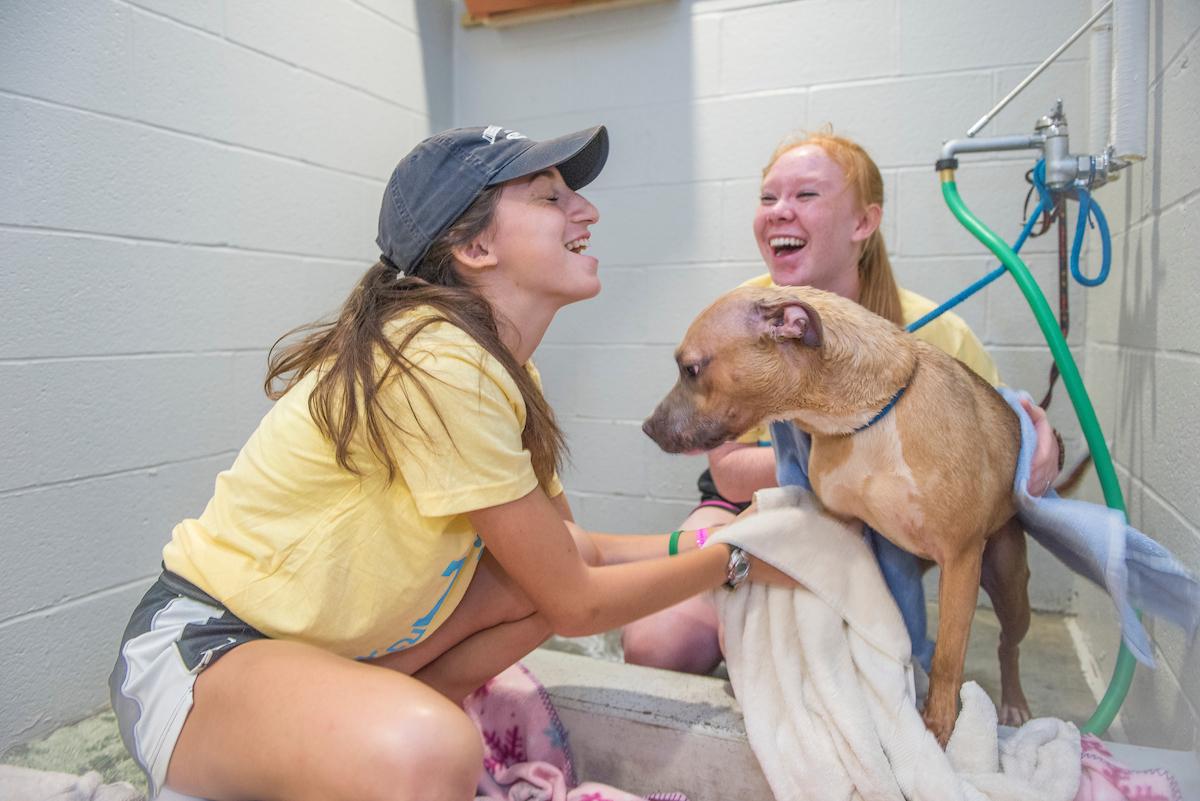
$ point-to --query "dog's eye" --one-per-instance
(693, 370)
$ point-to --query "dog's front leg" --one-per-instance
(958, 591)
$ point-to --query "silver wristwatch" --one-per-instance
(737, 570)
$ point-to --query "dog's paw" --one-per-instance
(1011, 714)
(939, 723)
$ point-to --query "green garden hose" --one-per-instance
(1122, 677)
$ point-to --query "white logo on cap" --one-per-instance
(492, 131)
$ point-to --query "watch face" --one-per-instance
(739, 568)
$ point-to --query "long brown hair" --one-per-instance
(878, 290)
(345, 351)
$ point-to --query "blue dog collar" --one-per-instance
(882, 412)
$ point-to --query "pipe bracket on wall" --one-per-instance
(1130, 87)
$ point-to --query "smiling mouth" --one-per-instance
(785, 245)
(577, 245)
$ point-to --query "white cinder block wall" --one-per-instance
(182, 183)
(697, 94)
(1143, 362)
(185, 181)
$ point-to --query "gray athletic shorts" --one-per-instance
(176, 631)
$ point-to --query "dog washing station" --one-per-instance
(648, 730)
(1058, 177)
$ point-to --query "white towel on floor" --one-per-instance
(824, 677)
(27, 784)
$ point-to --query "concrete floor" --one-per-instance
(1052, 673)
(91, 744)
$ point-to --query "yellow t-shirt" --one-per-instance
(302, 549)
(948, 333)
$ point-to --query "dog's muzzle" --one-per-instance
(677, 431)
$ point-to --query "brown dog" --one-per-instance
(934, 474)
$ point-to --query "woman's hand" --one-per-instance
(764, 573)
(1046, 455)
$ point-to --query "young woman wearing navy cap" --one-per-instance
(394, 533)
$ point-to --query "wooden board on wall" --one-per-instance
(502, 13)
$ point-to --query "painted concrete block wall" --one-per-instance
(183, 183)
(1143, 356)
(696, 96)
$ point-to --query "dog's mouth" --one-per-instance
(680, 436)
(784, 245)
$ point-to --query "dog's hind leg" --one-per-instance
(958, 590)
(1006, 580)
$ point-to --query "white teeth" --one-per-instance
(577, 246)
(787, 242)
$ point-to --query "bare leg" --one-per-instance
(274, 719)
(281, 720)
(466, 666)
(957, 593)
(493, 626)
(1006, 579)
(682, 637)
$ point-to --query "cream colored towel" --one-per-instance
(824, 677)
(27, 784)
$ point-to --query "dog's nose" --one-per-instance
(654, 428)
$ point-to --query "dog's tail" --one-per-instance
(1070, 482)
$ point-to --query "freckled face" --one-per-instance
(809, 225)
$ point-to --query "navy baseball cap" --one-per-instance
(436, 182)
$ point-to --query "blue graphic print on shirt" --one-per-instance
(421, 624)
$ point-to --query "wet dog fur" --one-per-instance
(934, 475)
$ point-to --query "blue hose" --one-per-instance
(982, 282)
(1088, 208)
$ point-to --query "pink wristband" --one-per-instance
(701, 537)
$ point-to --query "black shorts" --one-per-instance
(176, 631)
(710, 497)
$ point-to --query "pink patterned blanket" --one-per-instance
(526, 756)
(1105, 779)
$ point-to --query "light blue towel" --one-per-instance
(1092, 540)
(901, 570)
(1098, 544)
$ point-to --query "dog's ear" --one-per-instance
(792, 319)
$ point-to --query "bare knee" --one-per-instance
(689, 646)
(431, 752)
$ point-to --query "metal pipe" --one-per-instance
(1100, 58)
(1013, 142)
(1130, 87)
(977, 127)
